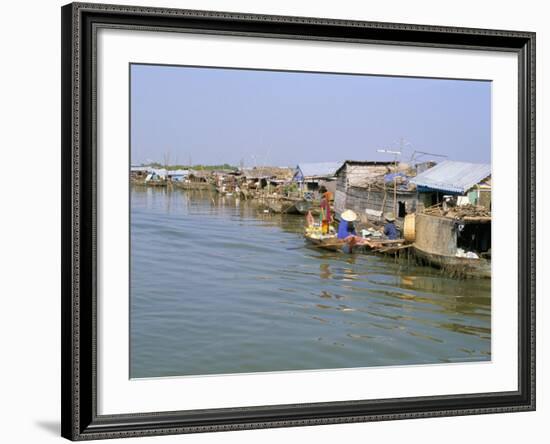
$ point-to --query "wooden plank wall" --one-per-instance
(435, 234)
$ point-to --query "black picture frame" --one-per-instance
(79, 171)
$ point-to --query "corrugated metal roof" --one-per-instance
(456, 177)
(177, 172)
(158, 171)
(138, 168)
(319, 169)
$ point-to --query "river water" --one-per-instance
(218, 287)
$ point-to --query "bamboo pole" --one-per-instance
(395, 196)
(384, 200)
(368, 195)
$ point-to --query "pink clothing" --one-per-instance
(325, 205)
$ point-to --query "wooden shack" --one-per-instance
(199, 176)
(435, 235)
(461, 245)
(138, 173)
(465, 182)
(312, 176)
(265, 176)
(361, 186)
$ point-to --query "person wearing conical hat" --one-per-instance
(346, 227)
(390, 230)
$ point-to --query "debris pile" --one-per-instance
(382, 178)
(466, 212)
(460, 252)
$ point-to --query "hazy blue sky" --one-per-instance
(213, 116)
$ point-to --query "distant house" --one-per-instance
(226, 180)
(470, 181)
(371, 188)
(261, 177)
(177, 175)
(311, 176)
(199, 176)
(139, 168)
(445, 234)
(156, 174)
(138, 172)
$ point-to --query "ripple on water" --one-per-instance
(217, 287)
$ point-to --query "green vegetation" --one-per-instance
(225, 166)
(291, 188)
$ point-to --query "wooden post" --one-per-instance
(368, 195)
(384, 200)
(395, 196)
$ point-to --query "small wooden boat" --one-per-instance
(384, 246)
(156, 183)
(303, 206)
(331, 242)
(280, 204)
(456, 266)
(326, 242)
(193, 185)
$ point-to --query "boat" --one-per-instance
(194, 185)
(156, 183)
(325, 241)
(384, 246)
(303, 206)
(279, 204)
(438, 242)
(371, 245)
(454, 265)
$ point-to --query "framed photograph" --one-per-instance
(278, 221)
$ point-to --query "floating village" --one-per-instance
(436, 214)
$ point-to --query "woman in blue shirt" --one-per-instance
(346, 227)
(390, 230)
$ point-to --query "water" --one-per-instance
(217, 287)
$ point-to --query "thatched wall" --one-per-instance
(361, 175)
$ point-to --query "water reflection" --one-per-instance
(219, 286)
(325, 271)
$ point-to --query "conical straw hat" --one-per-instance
(349, 215)
(390, 217)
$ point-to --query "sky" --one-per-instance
(191, 115)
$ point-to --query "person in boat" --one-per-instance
(390, 230)
(346, 228)
(309, 219)
(326, 194)
(325, 210)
